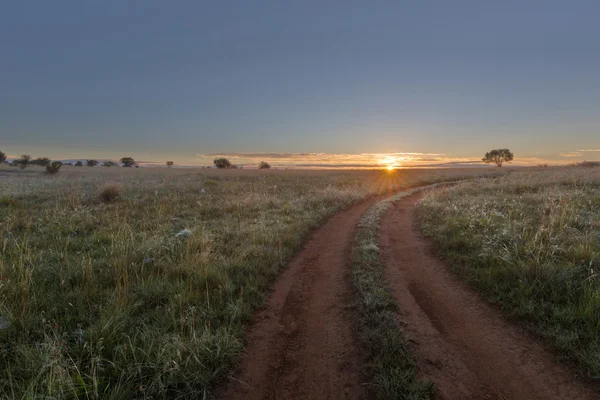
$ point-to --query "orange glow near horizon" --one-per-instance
(389, 180)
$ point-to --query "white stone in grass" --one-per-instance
(184, 233)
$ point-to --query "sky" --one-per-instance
(300, 82)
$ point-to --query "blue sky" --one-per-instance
(161, 79)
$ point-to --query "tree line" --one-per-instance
(128, 162)
(53, 167)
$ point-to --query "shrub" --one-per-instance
(127, 162)
(109, 163)
(170, 164)
(53, 168)
(264, 165)
(92, 163)
(222, 163)
(78, 164)
(109, 192)
(2, 157)
(24, 161)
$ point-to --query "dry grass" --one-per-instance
(530, 241)
(105, 300)
(109, 192)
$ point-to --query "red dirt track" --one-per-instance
(303, 344)
(463, 345)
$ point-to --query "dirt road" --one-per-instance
(303, 345)
(460, 343)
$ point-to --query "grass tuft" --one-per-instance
(109, 192)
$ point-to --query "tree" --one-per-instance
(170, 164)
(53, 168)
(92, 163)
(41, 161)
(2, 157)
(24, 161)
(498, 157)
(222, 163)
(264, 165)
(128, 162)
(79, 164)
(109, 163)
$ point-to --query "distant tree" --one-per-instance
(222, 163)
(41, 161)
(264, 165)
(78, 164)
(24, 161)
(53, 168)
(92, 163)
(170, 164)
(109, 163)
(128, 162)
(2, 157)
(498, 157)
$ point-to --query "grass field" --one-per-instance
(530, 242)
(129, 283)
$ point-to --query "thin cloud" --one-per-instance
(320, 155)
(590, 150)
(571, 154)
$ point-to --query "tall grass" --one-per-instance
(530, 242)
(103, 299)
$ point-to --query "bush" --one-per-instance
(78, 164)
(128, 162)
(109, 192)
(53, 168)
(24, 161)
(222, 163)
(264, 165)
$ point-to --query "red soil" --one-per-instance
(463, 345)
(303, 345)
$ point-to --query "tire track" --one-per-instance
(463, 345)
(303, 344)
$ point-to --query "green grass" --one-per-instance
(530, 242)
(103, 300)
(390, 366)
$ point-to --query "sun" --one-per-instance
(390, 167)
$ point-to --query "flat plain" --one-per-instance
(132, 283)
